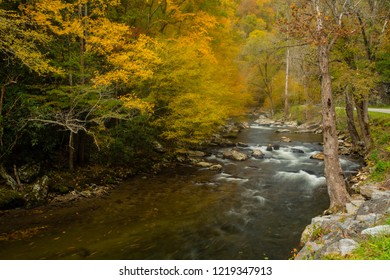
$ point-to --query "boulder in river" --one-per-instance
(257, 154)
(269, 147)
(275, 147)
(319, 156)
(235, 155)
(204, 164)
(285, 139)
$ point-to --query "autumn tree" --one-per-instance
(21, 45)
(264, 57)
(321, 23)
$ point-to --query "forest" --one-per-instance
(111, 83)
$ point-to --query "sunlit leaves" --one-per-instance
(20, 41)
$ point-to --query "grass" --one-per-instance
(370, 248)
(379, 157)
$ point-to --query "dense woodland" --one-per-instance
(103, 82)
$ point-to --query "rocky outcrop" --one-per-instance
(310, 127)
(265, 121)
(29, 172)
(340, 233)
(36, 193)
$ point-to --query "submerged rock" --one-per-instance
(283, 131)
(216, 167)
(297, 151)
(285, 139)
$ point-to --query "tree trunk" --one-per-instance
(286, 84)
(350, 118)
(71, 151)
(81, 42)
(362, 112)
(8, 179)
(333, 173)
(271, 102)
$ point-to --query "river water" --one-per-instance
(253, 209)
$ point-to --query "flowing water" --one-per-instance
(253, 209)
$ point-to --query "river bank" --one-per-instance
(338, 235)
(252, 208)
(262, 183)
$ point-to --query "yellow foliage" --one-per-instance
(129, 60)
(132, 102)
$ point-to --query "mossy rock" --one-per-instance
(60, 189)
(10, 199)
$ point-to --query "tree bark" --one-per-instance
(286, 84)
(71, 151)
(8, 179)
(363, 119)
(333, 173)
(350, 118)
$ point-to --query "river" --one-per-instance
(255, 209)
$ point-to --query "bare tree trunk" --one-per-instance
(71, 151)
(286, 84)
(362, 112)
(8, 178)
(271, 104)
(333, 173)
(350, 118)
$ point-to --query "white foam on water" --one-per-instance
(349, 164)
(285, 154)
(260, 127)
(254, 196)
(271, 160)
(302, 178)
(229, 178)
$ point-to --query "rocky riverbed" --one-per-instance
(340, 234)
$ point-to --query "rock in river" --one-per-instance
(257, 154)
(204, 164)
(319, 156)
(235, 155)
